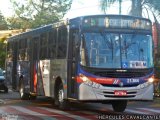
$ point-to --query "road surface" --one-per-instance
(12, 108)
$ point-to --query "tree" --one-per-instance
(3, 26)
(18, 23)
(3, 23)
(35, 13)
(137, 6)
(3, 52)
(104, 4)
(136, 9)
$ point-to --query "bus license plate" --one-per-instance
(120, 92)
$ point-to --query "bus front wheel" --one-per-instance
(33, 97)
(119, 105)
(62, 103)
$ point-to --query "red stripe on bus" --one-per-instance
(102, 80)
(97, 80)
(79, 80)
(35, 79)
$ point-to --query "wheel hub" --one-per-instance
(21, 92)
(61, 95)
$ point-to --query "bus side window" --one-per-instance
(22, 49)
(43, 46)
(75, 44)
(52, 43)
(9, 51)
(62, 43)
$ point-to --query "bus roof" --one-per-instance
(33, 31)
(111, 15)
(73, 22)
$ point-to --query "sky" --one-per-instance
(6, 8)
(90, 7)
(78, 8)
(83, 7)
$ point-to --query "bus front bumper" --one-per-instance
(141, 92)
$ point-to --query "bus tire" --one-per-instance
(5, 89)
(119, 105)
(23, 95)
(62, 103)
(32, 97)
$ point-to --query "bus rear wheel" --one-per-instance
(23, 95)
(5, 89)
(62, 103)
(119, 105)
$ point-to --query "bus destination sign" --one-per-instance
(117, 22)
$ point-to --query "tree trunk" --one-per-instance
(120, 7)
(136, 9)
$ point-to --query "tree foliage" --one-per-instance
(3, 26)
(3, 23)
(35, 13)
(148, 5)
(137, 6)
(105, 4)
(2, 53)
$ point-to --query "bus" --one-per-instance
(95, 58)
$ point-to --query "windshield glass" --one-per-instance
(114, 50)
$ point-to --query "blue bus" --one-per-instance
(97, 58)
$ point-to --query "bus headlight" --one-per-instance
(151, 80)
(88, 82)
(147, 83)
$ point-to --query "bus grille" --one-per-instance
(115, 85)
(124, 74)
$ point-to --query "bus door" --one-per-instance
(72, 64)
(34, 64)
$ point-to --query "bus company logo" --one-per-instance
(116, 81)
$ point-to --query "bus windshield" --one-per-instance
(116, 50)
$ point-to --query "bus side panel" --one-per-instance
(58, 69)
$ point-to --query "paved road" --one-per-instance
(12, 108)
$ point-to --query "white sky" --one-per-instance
(83, 7)
(78, 8)
(6, 8)
(90, 7)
